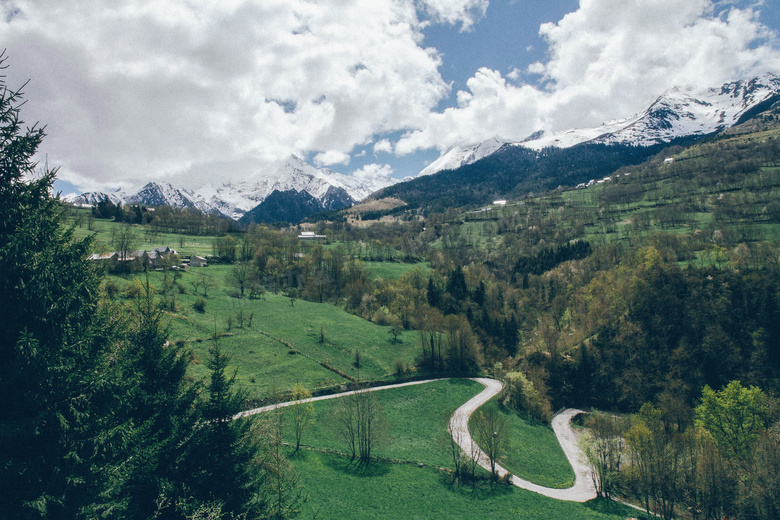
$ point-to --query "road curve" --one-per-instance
(270, 407)
(583, 488)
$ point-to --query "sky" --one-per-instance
(195, 91)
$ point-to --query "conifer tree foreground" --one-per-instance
(55, 346)
(98, 418)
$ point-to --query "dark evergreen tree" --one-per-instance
(57, 347)
(220, 461)
(162, 408)
(479, 294)
(433, 293)
(456, 285)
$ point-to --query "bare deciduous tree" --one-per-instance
(491, 431)
(123, 241)
(206, 281)
(361, 424)
(302, 413)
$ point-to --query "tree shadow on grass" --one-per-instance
(354, 468)
(302, 455)
(481, 488)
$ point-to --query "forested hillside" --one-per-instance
(513, 171)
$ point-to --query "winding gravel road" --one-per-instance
(583, 488)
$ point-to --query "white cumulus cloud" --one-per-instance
(140, 90)
(331, 157)
(608, 59)
(197, 91)
(465, 12)
(372, 171)
(383, 145)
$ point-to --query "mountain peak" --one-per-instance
(678, 112)
(233, 200)
(458, 156)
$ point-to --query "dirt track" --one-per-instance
(582, 490)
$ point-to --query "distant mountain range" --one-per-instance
(300, 189)
(677, 113)
(330, 189)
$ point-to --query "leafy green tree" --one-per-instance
(658, 460)
(734, 416)
(603, 448)
(225, 248)
(520, 394)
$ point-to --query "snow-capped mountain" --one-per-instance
(463, 155)
(677, 113)
(689, 113)
(150, 194)
(235, 199)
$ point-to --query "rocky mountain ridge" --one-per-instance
(331, 189)
(679, 112)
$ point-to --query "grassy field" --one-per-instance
(392, 270)
(339, 490)
(534, 453)
(417, 433)
(415, 417)
(282, 345)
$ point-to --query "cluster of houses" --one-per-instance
(593, 182)
(152, 259)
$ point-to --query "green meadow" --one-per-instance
(276, 341)
(412, 478)
(534, 453)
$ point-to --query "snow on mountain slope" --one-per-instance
(677, 113)
(234, 200)
(151, 194)
(689, 113)
(93, 198)
(293, 174)
(569, 138)
(463, 155)
(165, 194)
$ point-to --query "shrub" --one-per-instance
(520, 394)
(111, 287)
(200, 305)
(382, 316)
(134, 289)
